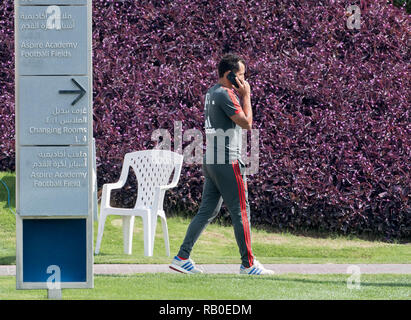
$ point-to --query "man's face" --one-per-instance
(241, 73)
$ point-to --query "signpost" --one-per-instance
(54, 145)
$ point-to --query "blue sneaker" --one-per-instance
(256, 269)
(184, 266)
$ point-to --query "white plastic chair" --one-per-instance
(153, 169)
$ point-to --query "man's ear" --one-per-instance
(226, 73)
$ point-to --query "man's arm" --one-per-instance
(244, 118)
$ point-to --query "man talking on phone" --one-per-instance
(225, 180)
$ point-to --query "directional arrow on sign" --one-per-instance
(81, 92)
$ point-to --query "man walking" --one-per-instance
(224, 171)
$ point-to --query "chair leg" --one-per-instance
(165, 232)
(128, 226)
(148, 251)
(101, 223)
(153, 230)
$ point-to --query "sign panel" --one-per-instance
(52, 40)
(54, 110)
(54, 181)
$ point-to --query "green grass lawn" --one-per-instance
(217, 244)
(235, 287)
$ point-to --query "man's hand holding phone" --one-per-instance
(243, 87)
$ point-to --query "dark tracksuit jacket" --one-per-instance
(224, 173)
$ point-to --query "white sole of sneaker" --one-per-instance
(261, 274)
(179, 269)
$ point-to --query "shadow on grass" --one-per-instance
(101, 254)
(267, 278)
(337, 282)
(10, 260)
(325, 234)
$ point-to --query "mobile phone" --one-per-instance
(231, 76)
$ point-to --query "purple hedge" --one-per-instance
(331, 103)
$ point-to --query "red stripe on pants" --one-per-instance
(246, 225)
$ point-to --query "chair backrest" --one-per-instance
(153, 168)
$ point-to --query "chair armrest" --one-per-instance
(161, 190)
(175, 180)
(108, 187)
(106, 193)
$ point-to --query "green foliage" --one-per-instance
(400, 3)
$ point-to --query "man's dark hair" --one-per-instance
(229, 62)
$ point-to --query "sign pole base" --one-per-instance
(54, 294)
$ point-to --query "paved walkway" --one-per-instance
(234, 268)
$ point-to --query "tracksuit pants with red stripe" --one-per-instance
(228, 183)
